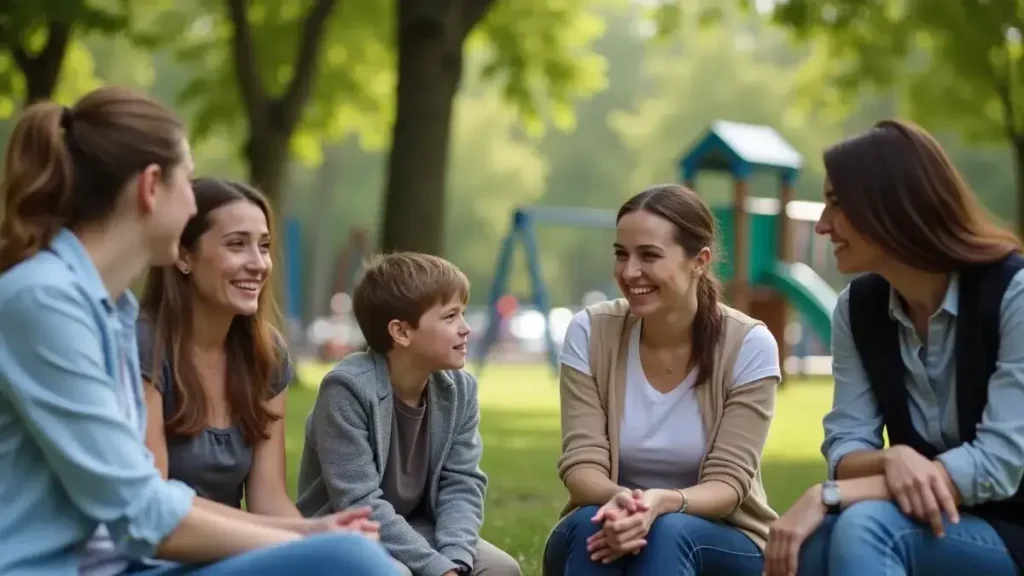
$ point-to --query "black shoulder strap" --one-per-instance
(876, 336)
(977, 335)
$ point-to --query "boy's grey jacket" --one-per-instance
(348, 434)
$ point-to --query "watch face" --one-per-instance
(830, 495)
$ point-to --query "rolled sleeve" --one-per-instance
(854, 423)
(990, 467)
(54, 368)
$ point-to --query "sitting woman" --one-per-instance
(216, 371)
(94, 194)
(929, 344)
(667, 396)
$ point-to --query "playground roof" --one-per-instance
(740, 149)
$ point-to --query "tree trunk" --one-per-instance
(429, 68)
(323, 241)
(1017, 141)
(274, 119)
(267, 155)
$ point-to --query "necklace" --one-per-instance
(667, 361)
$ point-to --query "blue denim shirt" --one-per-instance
(69, 459)
(989, 468)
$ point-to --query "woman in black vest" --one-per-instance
(928, 344)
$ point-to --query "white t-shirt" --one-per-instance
(661, 436)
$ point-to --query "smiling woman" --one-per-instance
(216, 367)
(666, 398)
(927, 344)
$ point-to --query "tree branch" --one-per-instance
(58, 36)
(307, 58)
(42, 70)
(253, 96)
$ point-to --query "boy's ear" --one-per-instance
(399, 332)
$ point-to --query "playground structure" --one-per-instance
(759, 238)
(523, 230)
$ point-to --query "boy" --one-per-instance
(396, 427)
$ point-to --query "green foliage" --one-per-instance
(953, 64)
(25, 31)
(691, 92)
(538, 51)
(353, 83)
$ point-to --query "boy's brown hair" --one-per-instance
(403, 286)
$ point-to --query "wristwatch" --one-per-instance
(831, 497)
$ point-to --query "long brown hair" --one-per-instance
(695, 229)
(897, 186)
(255, 350)
(67, 166)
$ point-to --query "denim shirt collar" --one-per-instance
(69, 249)
(949, 302)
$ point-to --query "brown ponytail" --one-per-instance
(67, 166)
(695, 230)
(36, 184)
(707, 326)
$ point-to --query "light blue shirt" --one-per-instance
(69, 458)
(987, 469)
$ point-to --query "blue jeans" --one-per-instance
(677, 544)
(875, 537)
(320, 554)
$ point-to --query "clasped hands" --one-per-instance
(625, 521)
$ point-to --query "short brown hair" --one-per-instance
(67, 166)
(402, 286)
(897, 187)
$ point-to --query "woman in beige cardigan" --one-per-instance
(667, 396)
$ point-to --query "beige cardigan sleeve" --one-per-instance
(585, 464)
(735, 455)
(584, 424)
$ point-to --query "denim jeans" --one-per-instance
(677, 544)
(877, 538)
(328, 554)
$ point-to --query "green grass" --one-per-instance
(522, 442)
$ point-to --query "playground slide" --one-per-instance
(807, 292)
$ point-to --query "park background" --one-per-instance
(424, 125)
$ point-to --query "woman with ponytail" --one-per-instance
(667, 396)
(93, 195)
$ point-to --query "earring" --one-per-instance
(185, 271)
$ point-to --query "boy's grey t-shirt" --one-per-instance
(405, 474)
(216, 462)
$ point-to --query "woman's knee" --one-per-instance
(867, 518)
(676, 527)
(579, 522)
(571, 531)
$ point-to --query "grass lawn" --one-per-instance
(522, 442)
